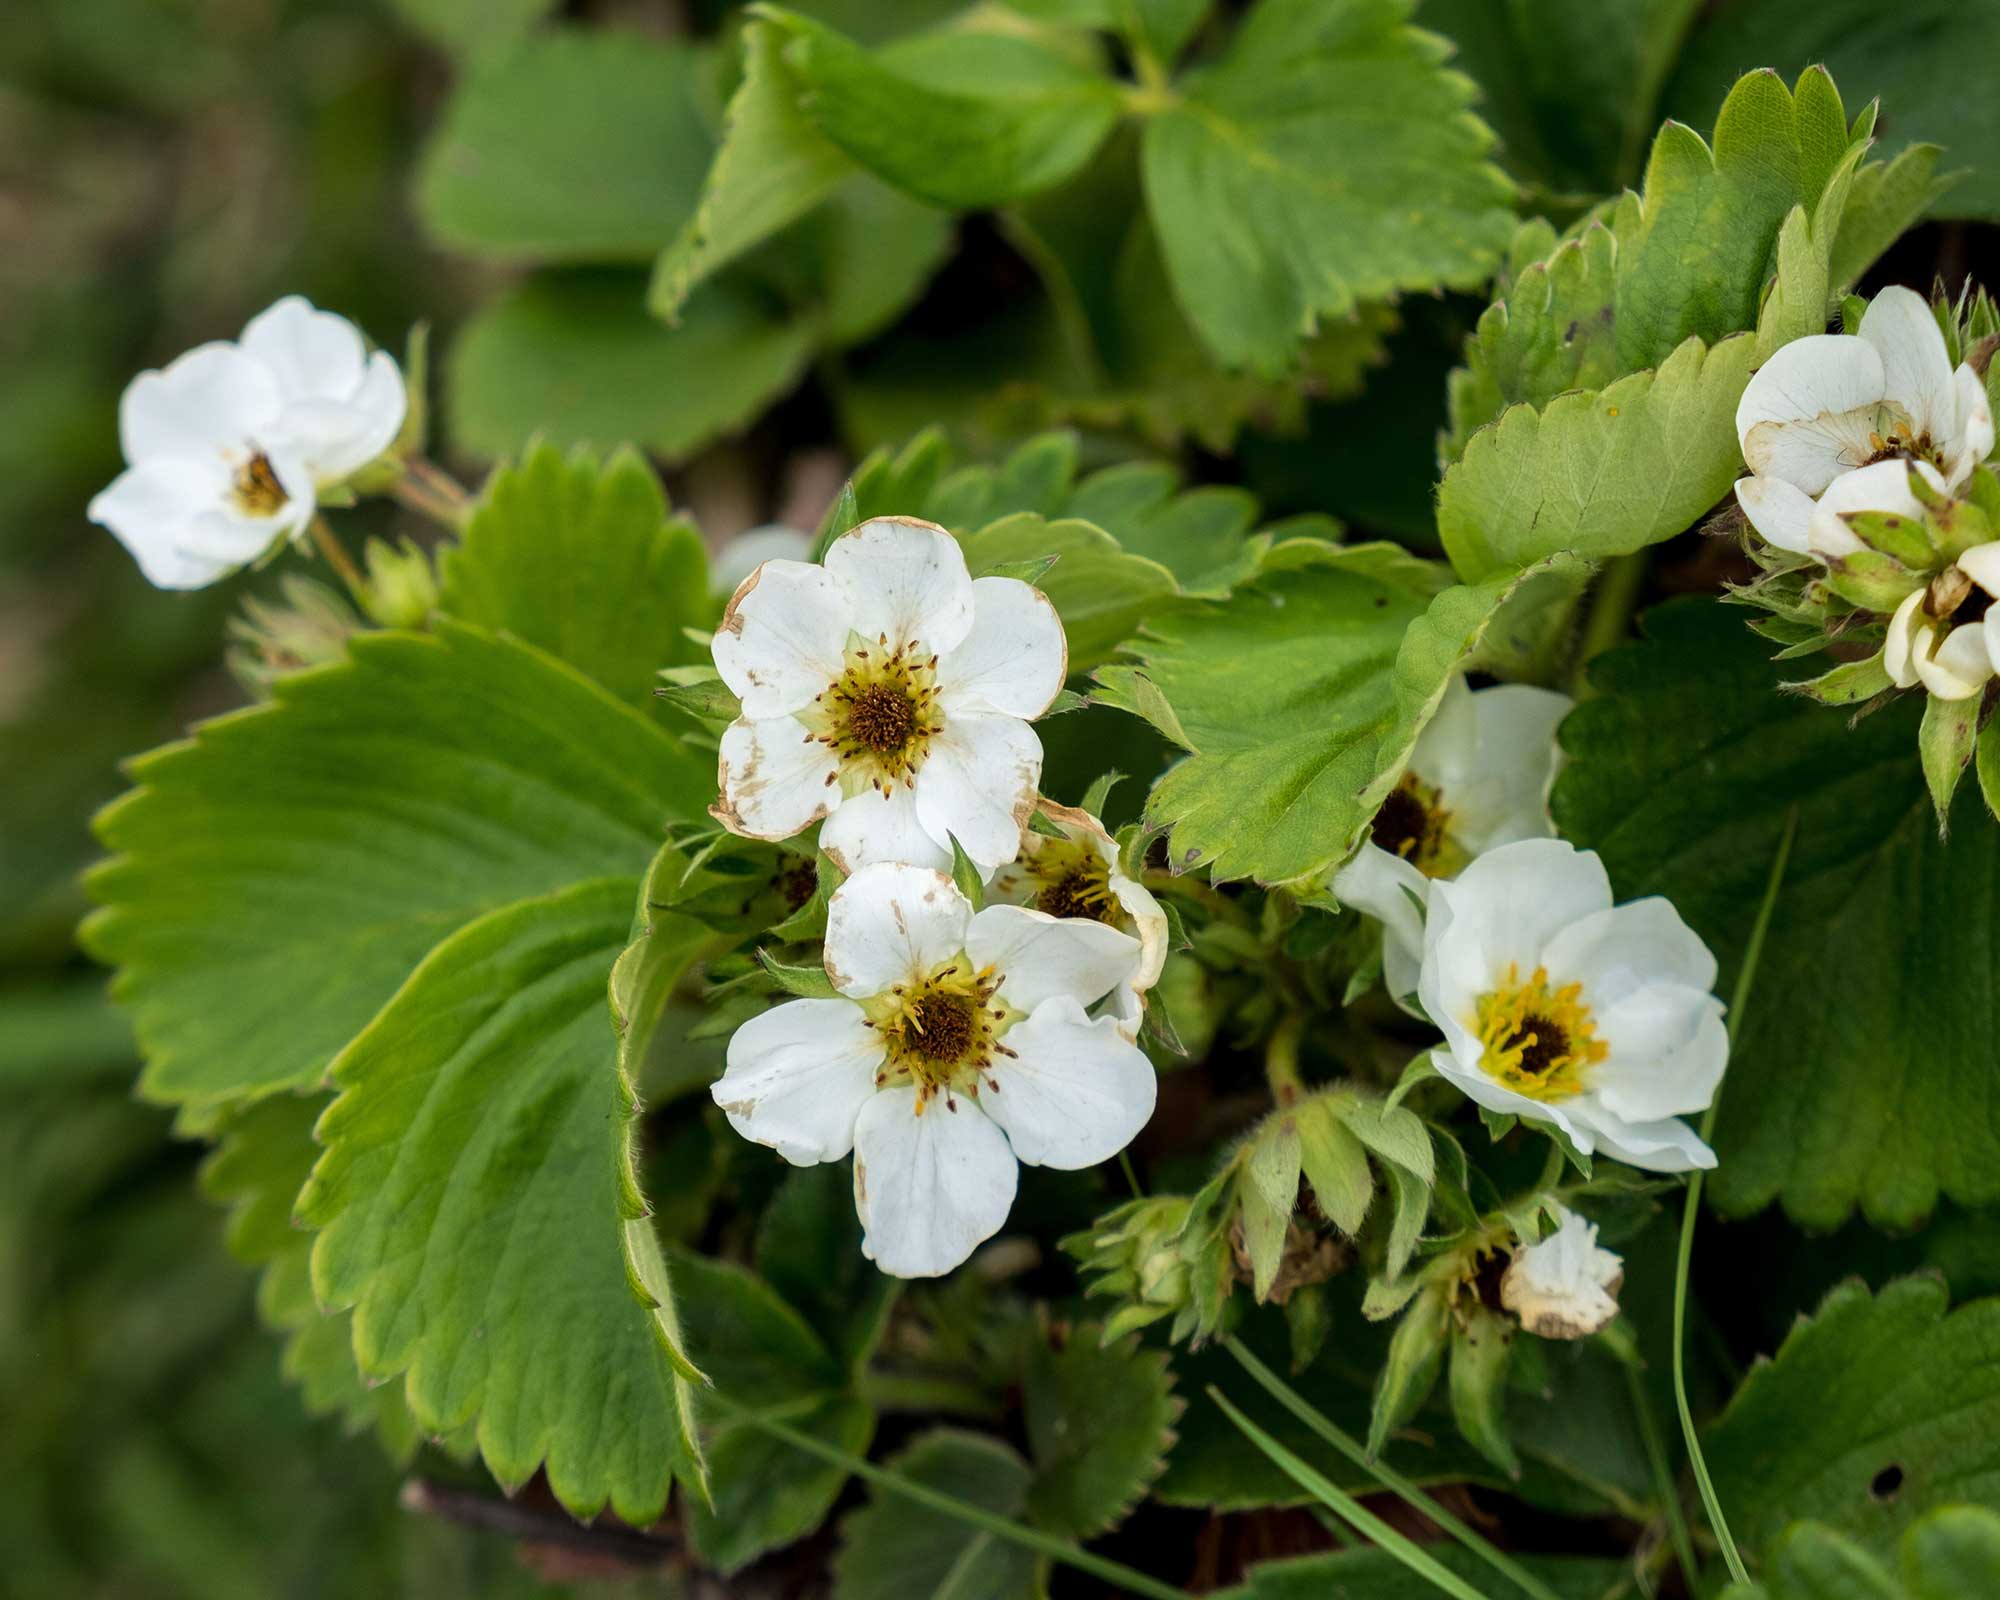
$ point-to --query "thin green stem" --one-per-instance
(1131, 1177)
(1281, 1059)
(1343, 1505)
(1610, 616)
(1059, 1550)
(904, 1391)
(328, 544)
(1752, 953)
(1384, 1474)
(1663, 1472)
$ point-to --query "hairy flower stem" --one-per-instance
(328, 544)
(1384, 1474)
(1281, 1060)
(431, 492)
(1610, 616)
(1692, 1210)
(1058, 1550)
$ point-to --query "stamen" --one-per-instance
(257, 489)
(1539, 1040)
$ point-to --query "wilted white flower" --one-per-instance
(1833, 403)
(1479, 777)
(750, 549)
(1792, 520)
(1559, 1007)
(1078, 875)
(1565, 1287)
(227, 448)
(890, 693)
(1954, 655)
(960, 1049)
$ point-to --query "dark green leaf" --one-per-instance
(897, 1550)
(1100, 1420)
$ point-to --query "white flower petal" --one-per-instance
(314, 355)
(1669, 1145)
(872, 826)
(929, 1188)
(797, 1077)
(1040, 957)
(905, 580)
(1916, 369)
(149, 507)
(337, 438)
(1781, 512)
(1075, 1093)
(1462, 1069)
(1956, 666)
(1975, 425)
(1565, 1287)
(1393, 892)
(1982, 565)
(214, 398)
(977, 784)
(1668, 1052)
(749, 550)
(782, 638)
(1623, 948)
(1016, 656)
(890, 923)
(773, 777)
(1504, 910)
(1900, 647)
(1798, 418)
(1881, 486)
(1499, 793)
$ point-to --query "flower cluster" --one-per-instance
(229, 448)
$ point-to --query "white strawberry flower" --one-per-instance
(890, 693)
(1479, 777)
(1559, 1007)
(1833, 403)
(1792, 520)
(1078, 875)
(229, 446)
(1565, 1287)
(1955, 655)
(959, 1048)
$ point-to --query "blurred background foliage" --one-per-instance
(168, 167)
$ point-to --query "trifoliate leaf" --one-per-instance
(1326, 159)
(1875, 1410)
(1378, 1575)
(280, 873)
(1932, 89)
(1599, 473)
(583, 561)
(960, 118)
(574, 358)
(894, 1549)
(1100, 1419)
(477, 1209)
(760, 1353)
(574, 146)
(1862, 1071)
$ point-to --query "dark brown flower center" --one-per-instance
(1078, 894)
(940, 1026)
(1411, 823)
(881, 717)
(1543, 1043)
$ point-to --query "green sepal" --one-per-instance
(700, 692)
(1482, 1344)
(1989, 766)
(1870, 580)
(807, 982)
(1902, 539)
(1416, 1351)
(1335, 1163)
(1849, 683)
(1269, 1189)
(1945, 743)
(966, 875)
(1029, 572)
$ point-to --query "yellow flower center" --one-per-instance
(1074, 881)
(880, 714)
(943, 1031)
(1539, 1040)
(1414, 823)
(256, 487)
(1895, 438)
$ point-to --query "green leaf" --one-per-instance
(1269, 1192)
(472, 29)
(1866, 1078)
(574, 358)
(1377, 1575)
(1875, 1410)
(1988, 761)
(1599, 473)
(582, 561)
(574, 146)
(760, 1352)
(1336, 1165)
(961, 119)
(809, 1250)
(263, 1156)
(895, 1550)
(1930, 87)
(1691, 256)
(477, 1210)
(1328, 158)
(1302, 698)
(1100, 1420)
(1952, 1553)
(280, 873)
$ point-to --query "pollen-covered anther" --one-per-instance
(1539, 1039)
(256, 487)
(1413, 823)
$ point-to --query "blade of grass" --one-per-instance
(1059, 1550)
(1343, 1505)
(1752, 953)
(1663, 1472)
(1384, 1474)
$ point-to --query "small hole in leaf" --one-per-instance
(1887, 1483)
